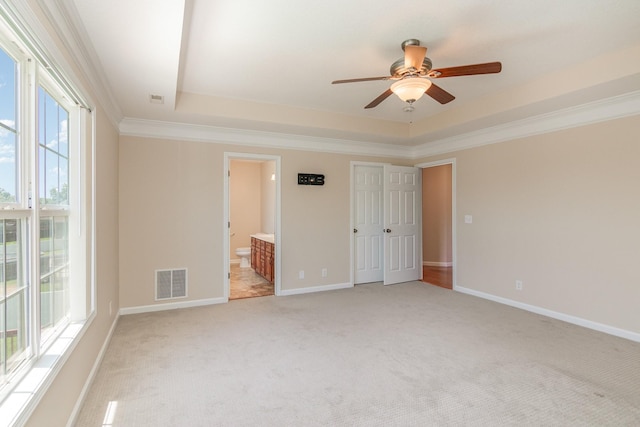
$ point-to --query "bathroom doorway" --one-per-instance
(252, 225)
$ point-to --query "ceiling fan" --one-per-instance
(413, 73)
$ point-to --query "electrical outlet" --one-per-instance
(324, 272)
(301, 274)
(518, 285)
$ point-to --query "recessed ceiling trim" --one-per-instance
(217, 135)
(593, 112)
(598, 111)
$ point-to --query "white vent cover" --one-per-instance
(171, 284)
(156, 99)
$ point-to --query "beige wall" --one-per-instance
(436, 215)
(245, 201)
(170, 217)
(171, 213)
(555, 211)
(560, 212)
(268, 206)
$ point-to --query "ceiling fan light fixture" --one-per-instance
(411, 89)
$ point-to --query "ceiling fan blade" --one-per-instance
(439, 94)
(366, 79)
(413, 56)
(379, 99)
(467, 70)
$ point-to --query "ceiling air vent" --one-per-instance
(171, 284)
(156, 99)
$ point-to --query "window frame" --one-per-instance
(42, 80)
(32, 75)
(21, 76)
(20, 208)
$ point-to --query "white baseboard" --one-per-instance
(312, 289)
(611, 330)
(437, 263)
(171, 306)
(94, 370)
(235, 261)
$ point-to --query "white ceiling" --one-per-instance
(268, 65)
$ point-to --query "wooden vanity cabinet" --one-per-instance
(268, 261)
(254, 253)
(262, 256)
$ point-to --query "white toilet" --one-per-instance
(244, 254)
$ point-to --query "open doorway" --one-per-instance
(252, 224)
(438, 223)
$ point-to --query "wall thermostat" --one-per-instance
(310, 179)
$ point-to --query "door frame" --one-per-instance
(454, 256)
(228, 156)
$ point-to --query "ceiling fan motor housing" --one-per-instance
(399, 71)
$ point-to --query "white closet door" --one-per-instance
(402, 224)
(368, 224)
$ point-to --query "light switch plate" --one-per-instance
(468, 219)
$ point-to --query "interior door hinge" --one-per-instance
(229, 224)
(229, 275)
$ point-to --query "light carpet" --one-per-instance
(402, 355)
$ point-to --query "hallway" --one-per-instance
(439, 276)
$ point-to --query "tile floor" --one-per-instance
(246, 283)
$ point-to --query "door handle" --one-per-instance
(355, 230)
(388, 230)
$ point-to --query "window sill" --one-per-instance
(16, 408)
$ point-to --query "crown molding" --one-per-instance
(218, 135)
(593, 112)
(66, 22)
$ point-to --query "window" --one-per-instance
(53, 190)
(45, 220)
(8, 129)
(13, 283)
(13, 333)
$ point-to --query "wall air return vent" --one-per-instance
(156, 99)
(171, 284)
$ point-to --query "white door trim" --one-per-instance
(228, 156)
(454, 239)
